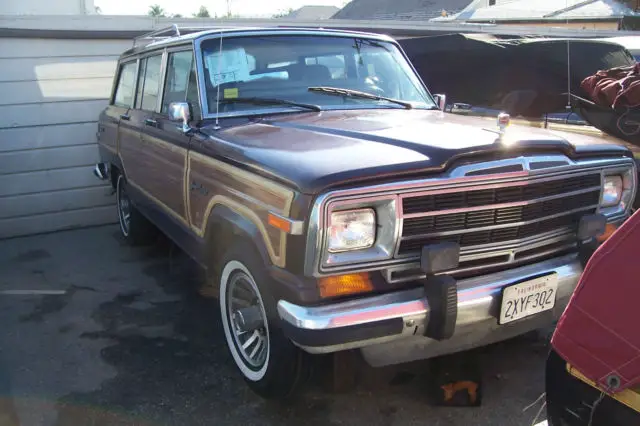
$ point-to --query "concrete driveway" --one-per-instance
(114, 335)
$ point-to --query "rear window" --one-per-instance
(126, 84)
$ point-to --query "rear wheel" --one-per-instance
(134, 227)
(271, 364)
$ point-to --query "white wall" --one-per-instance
(46, 7)
(52, 92)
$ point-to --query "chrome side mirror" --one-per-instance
(441, 101)
(181, 111)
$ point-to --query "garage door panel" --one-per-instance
(50, 113)
(24, 138)
(58, 201)
(47, 159)
(49, 222)
(28, 92)
(29, 69)
(50, 180)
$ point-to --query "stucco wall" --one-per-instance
(52, 92)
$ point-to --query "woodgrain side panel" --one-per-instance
(248, 194)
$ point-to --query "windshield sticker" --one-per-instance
(230, 93)
(228, 66)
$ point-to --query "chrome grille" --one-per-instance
(504, 214)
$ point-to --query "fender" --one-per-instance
(225, 224)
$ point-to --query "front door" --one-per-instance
(164, 141)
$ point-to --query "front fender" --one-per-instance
(225, 225)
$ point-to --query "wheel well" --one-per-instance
(115, 172)
(225, 229)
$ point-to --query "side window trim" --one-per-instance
(116, 86)
(145, 57)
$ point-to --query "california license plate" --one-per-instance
(528, 298)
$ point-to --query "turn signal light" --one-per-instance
(608, 231)
(280, 223)
(343, 285)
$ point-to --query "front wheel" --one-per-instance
(271, 364)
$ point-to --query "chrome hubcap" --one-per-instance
(247, 322)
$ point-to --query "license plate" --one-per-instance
(528, 298)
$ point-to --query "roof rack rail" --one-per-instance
(172, 31)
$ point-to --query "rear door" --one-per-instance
(136, 159)
(122, 101)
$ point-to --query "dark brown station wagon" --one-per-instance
(336, 206)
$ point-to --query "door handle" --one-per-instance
(125, 117)
(150, 122)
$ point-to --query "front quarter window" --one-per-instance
(284, 67)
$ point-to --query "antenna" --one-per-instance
(217, 126)
(568, 64)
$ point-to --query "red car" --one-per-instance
(593, 371)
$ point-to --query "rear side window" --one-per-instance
(178, 83)
(149, 83)
(126, 85)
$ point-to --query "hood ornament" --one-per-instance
(503, 122)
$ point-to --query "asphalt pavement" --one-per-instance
(94, 332)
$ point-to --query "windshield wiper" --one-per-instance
(357, 94)
(271, 101)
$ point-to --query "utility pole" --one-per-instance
(228, 8)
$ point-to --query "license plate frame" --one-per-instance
(519, 299)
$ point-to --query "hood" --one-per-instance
(314, 151)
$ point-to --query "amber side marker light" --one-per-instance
(608, 231)
(280, 223)
(343, 285)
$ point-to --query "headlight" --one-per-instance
(352, 230)
(612, 191)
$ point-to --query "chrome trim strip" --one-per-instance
(450, 180)
(501, 226)
(497, 206)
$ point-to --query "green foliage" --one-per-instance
(156, 11)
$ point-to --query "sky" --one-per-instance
(187, 7)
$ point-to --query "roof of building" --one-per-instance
(525, 10)
(414, 10)
(312, 12)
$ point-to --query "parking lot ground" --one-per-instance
(98, 333)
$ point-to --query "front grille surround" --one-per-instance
(464, 179)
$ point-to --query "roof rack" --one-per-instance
(169, 32)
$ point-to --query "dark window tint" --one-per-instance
(178, 83)
(150, 87)
(126, 84)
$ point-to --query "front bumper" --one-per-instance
(389, 328)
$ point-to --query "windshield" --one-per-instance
(285, 67)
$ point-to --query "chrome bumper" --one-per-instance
(390, 328)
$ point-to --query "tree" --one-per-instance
(202, 13)
(156, 11)
(283, 14)
(176, 15)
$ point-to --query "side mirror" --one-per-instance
(181, 111)
(441, 100)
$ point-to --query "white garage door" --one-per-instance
(51, 92)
